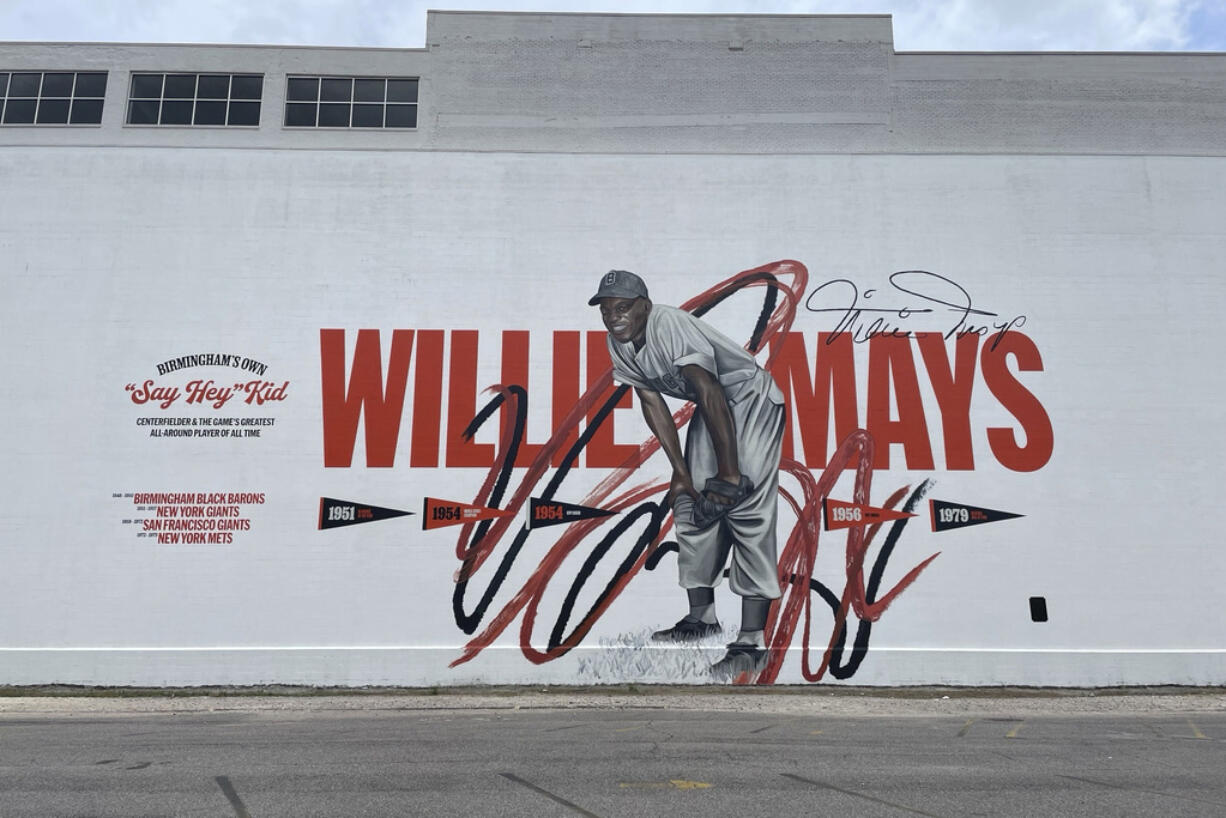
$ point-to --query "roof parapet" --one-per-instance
(493, 26)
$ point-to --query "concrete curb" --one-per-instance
(842, 701)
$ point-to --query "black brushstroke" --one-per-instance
(768, 305)
(504, 474)
(657, 513)
(470, 622)
(864, 628)
(661, 550)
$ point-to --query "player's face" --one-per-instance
(626, 318)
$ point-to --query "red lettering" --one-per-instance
(1020, 402)
(834, 382)
(822, 397)
(366, 394)
(427, 398)
(602, 452)
(953, 385)
(462, 403)
(890, 360)
(515, 352)
(565, 387)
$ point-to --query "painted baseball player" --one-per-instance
(732, 452)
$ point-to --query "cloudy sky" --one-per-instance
(919, 25)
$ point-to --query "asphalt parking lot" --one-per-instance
(671, 752)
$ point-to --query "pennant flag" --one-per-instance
(542, 513)
(947, 516)
(337, 513)
(839, 514)
(438, 513)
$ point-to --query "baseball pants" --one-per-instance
(748, 531)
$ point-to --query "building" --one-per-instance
(257, 295)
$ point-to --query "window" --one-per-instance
(195, 99)
(351, 102)
(52, 97)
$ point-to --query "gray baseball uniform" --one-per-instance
(674, 339)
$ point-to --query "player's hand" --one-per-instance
(682, 483)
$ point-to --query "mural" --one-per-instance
(737, 446)
(334, 428)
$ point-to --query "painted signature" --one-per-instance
(938, 297)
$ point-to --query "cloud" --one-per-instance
(1071, 25)
(297, 22)
(1207, 27)
(951, 25)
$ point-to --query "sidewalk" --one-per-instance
(811, 700)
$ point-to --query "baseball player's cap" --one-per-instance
(619, 284)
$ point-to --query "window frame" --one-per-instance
(194, 99)
(295, 103)
(39, 97)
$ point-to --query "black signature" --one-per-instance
(864, 323)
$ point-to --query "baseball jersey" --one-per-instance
(675, 339)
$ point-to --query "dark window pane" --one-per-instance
(57, 85)
(4, 84)
(19, 112)
(53, 112)
(300, 115)
(246, 86)
(334, 115)
(88, 112)
(368, 90)
(24, 85)
(143, 112)
(402, 90)
(336, 90)
(210, 113)
(244, 113)
(303, 88)
(180, 86)
(213, 86)
(367, 116)
(91, 85)
(177, 112)
(402, 116)
(147, 86)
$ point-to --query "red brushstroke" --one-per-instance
(796, 560)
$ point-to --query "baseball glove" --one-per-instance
(707, 512)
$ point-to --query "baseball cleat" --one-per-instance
(740, 658)
(688, 629)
